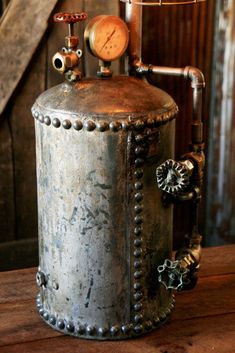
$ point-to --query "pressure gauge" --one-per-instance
(107, 37)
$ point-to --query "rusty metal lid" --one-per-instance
(122, 98)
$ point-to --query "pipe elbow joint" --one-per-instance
(196, 76)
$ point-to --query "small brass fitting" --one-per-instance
(71, 42)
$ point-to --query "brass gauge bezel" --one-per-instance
(96, 27)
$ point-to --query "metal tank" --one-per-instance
(105, 226)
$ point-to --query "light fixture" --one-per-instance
(162, 3)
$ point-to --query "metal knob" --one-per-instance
(172, 275)
(174, 177)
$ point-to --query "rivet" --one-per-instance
(39, 305)
(139, 162)
(138, 318)
(138, 185)
(139, 197)
(138, 220)
(139, 125)
(41, 118)
(138, 230)
(41, 311)
(89, 125)
(138, 329)
(150, 122)
(139, 138)
(38, 300)
(55, 285)
(67, 124)
(40, 279)
(140, 151)
(102, 126)
(138, 242)
(47, 120)
(137, 264)
(114, 330)
(168, 311)
(56, 123)
(139, 173)
(78, 125)
(125, 125)
(138, 274)
(148, 325)
(90, 330)
(102, 331)
(46, 316)
(138, 307)
(138, 252)
(35, 114)
(61, 324)
(126, 329)
(70, 327)
(52, 320)
(114, 126)
(156, 321)
(81, 330)
(162, 316)
(138, 296)
(138, 209)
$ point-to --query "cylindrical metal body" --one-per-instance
(103, 229)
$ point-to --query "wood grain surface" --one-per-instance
(203, 321)
(22, 28)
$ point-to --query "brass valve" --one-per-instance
(67, 60)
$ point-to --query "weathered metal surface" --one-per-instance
(102, 227)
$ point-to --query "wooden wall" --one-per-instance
(176, 36)
(221, 174)
(180, 36)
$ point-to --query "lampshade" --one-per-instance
(162, 2)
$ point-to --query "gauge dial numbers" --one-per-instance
(107, 37)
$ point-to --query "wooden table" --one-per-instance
(204, 319)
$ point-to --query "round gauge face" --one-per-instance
(107, 37)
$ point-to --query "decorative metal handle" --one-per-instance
(70, 17)
(174, 177)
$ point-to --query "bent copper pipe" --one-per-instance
(197, 83)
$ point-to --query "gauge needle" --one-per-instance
(108, 39)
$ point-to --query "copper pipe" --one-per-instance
(134, 21)
(197, 83)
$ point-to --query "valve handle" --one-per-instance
(70, 17)
(172, 275)
(174, 177)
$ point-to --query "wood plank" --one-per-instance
(11, 289)
(218, 260)
(7, 202)
(23, 144)
(23, 325)
(26, 26)
(18, 254)
(204, 301)
(191, 336)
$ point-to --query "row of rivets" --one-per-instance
(103, 126)
(139, 326)
(139, 152)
